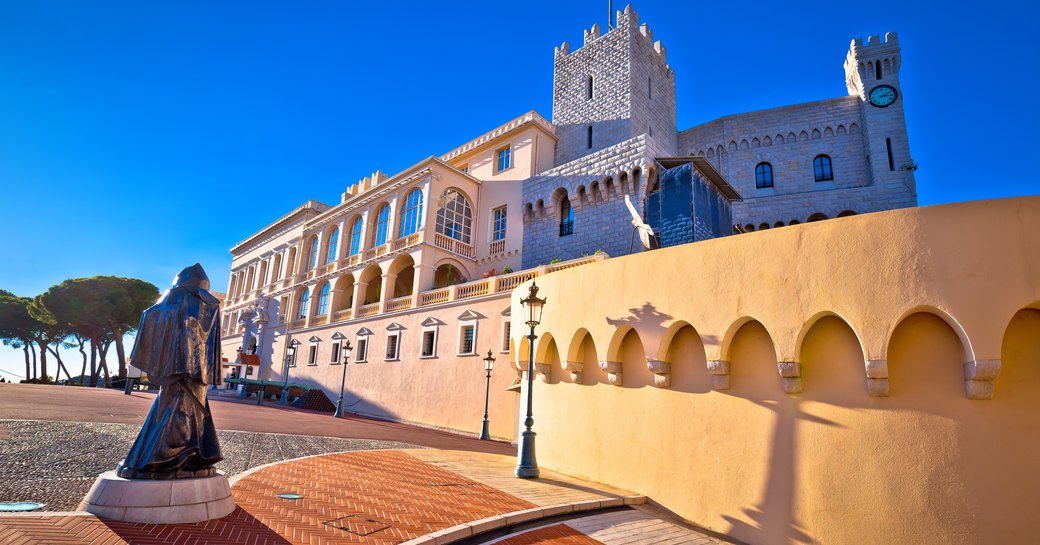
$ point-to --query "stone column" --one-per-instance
(384, 290)
(359, 295)
(422, 280)
(877, 377)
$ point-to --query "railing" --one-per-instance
(344, 314)
(508, 282)
(478, 288)
(497, 247)
(367, 310)
(399, 303)
(566, 228)
(410, 240)
(434, 296)
(453, 246)
(351, 260)
(376, 252)
(473, 289)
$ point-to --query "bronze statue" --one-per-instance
(178, 346)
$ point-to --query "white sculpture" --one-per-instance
(645, 231)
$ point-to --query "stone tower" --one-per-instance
(872, 74)
(616, 87)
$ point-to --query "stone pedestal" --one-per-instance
(173, 501)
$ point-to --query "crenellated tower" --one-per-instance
(872, 74)
(617, 86)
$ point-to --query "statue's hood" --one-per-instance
(193, 276)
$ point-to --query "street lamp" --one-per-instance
(489, 364)
(342, 381)
(290, 355)
(527, 465)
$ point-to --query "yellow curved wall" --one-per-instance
(922, 290)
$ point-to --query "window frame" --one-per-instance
(356, 228)
(422, 345)
(381, 225)
(760, 182)
(507, 151)
(323, 299)
(411, 213)
(463, 326)
(332, 246)
(361, 352)
(495, 220)
(507, 326)
(824, 172)
(334, 354)
(566, 217)
(304, 305)
(312, 354)
(454, 222)
(396, 336)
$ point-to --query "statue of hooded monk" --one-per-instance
(178, 346)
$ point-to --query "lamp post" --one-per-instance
(342, 381)
(527, 465)
(290, 355)
(489, 364)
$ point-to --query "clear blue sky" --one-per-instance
(138, 138)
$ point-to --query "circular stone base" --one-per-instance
(172, 501)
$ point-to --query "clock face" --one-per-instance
(882, 96)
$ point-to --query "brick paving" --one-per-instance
(376, 497)
(557, 534)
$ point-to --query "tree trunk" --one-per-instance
(25, 350)
(43, 360)
(32, 350)
(93, 362)
(83, 371)
(120, 353)
(61, 365)
(102, 352)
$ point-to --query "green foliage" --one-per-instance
(554, 261)
(507, 269)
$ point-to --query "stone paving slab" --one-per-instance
(373, 497)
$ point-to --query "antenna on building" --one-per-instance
(610, 15)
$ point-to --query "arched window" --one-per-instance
(382, 223)
(455, 218)
(588, 88)
(822, 167)
(411, 213)
(355, 236)
(330, 253)
(305, 302)
(312, 253)
(566, 217)
(323, 300)
(764, 175)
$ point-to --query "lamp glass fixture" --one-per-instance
(489, 362)
(533, 306)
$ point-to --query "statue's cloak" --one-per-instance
(180, 333)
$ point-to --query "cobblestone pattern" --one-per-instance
(56, 462)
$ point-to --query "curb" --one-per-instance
(477, 527)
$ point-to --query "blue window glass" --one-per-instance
(323, 300)
(305, 302)
(566, 217)
(312, 253)
(763, 175)
(498, 231)
(503, 159)
(330, 254)
(382, 224)
(822, 168)
(455, 218)
(355, 236)
(411, 213)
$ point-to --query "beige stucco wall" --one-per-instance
(918, 291)
(446, 391)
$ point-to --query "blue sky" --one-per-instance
(138, 138)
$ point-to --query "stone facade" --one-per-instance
(617, 93)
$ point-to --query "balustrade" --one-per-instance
(399, 303)
(367, 310)
(453, 246)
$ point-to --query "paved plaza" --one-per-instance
(359, 481)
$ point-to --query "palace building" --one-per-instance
(415, 269)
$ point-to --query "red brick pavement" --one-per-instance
(559, 534)
(377, 497)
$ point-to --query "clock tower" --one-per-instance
(872, 75)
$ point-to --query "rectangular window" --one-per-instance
(361, 353)
(498, 229)
(429, 343)
(312, 356)
(391, 346)
(891, 163)
(334, 359)
(466, 339)
(503, 159)
(505, 336)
